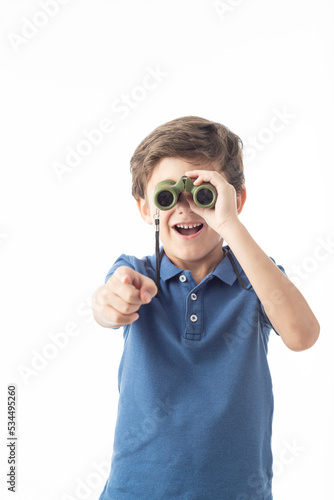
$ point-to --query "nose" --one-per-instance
(182, 205)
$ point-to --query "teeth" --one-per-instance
(183, 226)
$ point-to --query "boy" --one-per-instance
(195, 406)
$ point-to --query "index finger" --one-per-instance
(128, 276)
(133, 280)
(206, 175)
(120, 284)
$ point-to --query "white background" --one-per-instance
(65, 71)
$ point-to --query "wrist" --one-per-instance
(230, 229)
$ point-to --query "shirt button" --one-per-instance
(193, 296)
(182, 278)
(193, 318)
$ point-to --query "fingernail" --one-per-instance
(147, 297)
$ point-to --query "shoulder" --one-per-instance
(143, 265)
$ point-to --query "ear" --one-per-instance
(144, 210)
(241, 198)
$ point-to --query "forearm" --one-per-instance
(285, 306)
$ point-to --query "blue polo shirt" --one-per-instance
(195, 403)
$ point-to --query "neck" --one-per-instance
(200, 268)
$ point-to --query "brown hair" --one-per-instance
(194, 139)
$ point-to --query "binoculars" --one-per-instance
(166, 193)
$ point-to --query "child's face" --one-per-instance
(185, 245)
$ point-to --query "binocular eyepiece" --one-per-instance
(166, 193)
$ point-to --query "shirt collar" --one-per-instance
(224, 271)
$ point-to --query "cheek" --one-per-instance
(165, 229)
(164, 226)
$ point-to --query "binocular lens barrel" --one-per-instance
(165, 198)
(204, 197)
(167, 193)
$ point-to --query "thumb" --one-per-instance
(195, 208)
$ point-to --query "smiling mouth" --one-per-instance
(188, 230)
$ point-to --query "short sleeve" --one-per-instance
(265, 318)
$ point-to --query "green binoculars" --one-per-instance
(166, 193)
